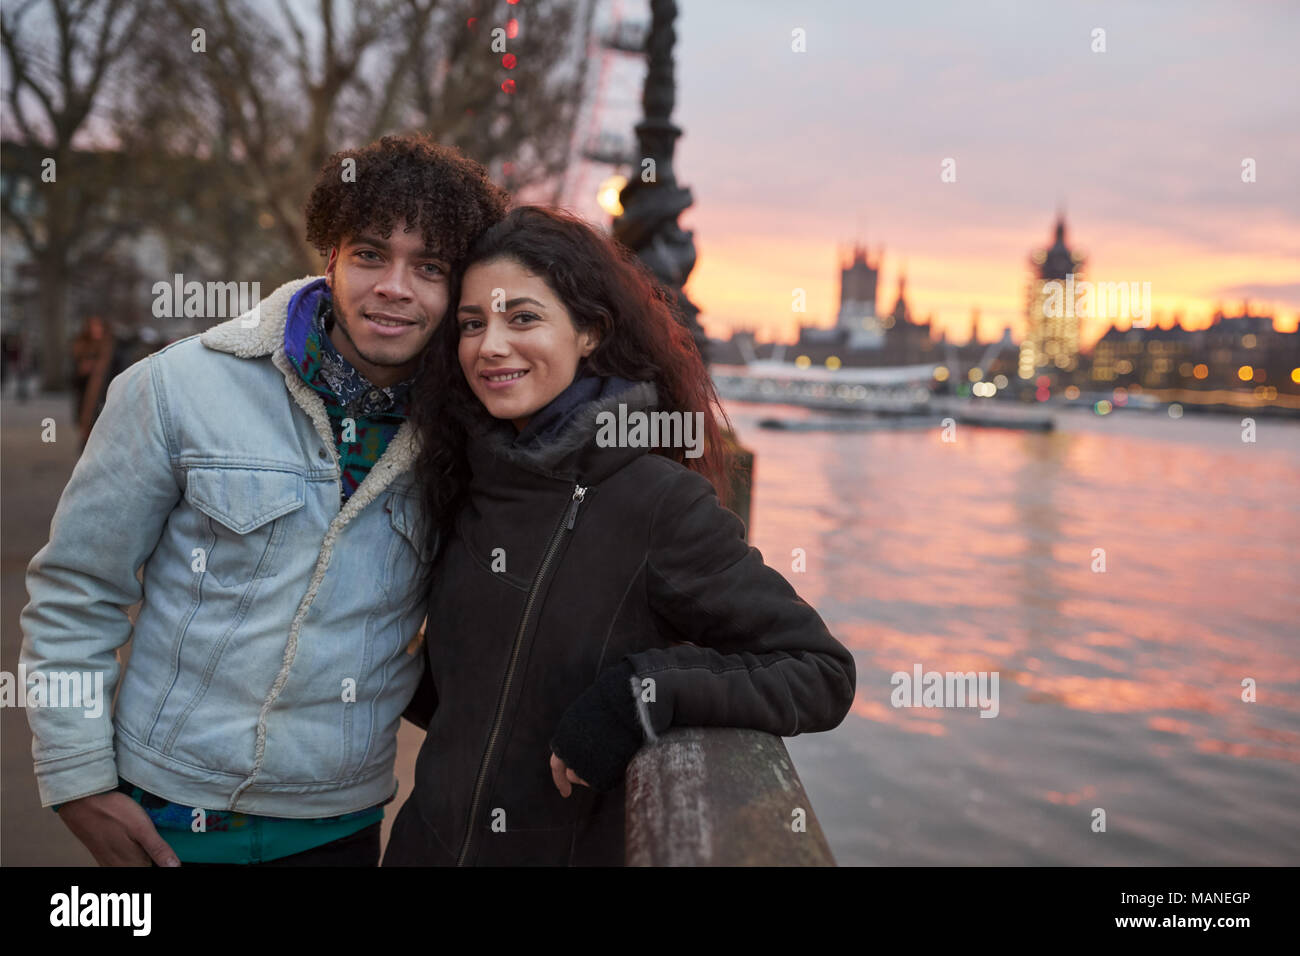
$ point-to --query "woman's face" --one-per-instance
(519, 347)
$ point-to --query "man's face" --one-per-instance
(389, 295)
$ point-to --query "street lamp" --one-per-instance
(607, 195)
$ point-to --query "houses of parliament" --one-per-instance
(1242, 352)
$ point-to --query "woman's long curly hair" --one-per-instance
(603, 286)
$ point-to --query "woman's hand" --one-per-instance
(564, 777)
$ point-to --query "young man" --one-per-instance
(260, 474)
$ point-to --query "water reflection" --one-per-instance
(1123, 577)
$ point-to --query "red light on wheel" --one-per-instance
(512, 28)
(508, 61)
(508, 86)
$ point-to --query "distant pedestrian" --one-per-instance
(92, 355)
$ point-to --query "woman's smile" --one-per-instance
(503, 378)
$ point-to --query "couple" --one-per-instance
(412, 435)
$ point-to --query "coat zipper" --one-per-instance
(566, 524)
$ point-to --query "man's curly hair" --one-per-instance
(435, 189)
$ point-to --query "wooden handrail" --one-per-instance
(719, 796)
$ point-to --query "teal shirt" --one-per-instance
(224, 836)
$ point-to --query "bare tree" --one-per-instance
(204, 123)
(57, 77)
(276, 92)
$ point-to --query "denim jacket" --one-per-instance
(274, 651)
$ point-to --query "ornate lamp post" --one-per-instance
(653, 200)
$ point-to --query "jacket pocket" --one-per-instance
(407, 520)
(242, 507)
(411, 552)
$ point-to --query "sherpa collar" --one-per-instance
(258, 333)
(260, 330)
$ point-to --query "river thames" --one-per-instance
(1121, 689)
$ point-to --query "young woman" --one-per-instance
(590, 592)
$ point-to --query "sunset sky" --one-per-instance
(791, 154)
